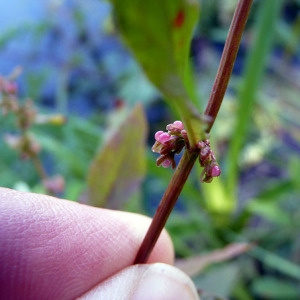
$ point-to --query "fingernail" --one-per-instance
(165, 282)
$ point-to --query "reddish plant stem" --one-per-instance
(166, 204)
(186, 163)
(229, 54)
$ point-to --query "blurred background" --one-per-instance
(72, 63)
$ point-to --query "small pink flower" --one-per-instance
(175, 128)
(212, 170)
(178, 124)
(164, 138)
(166, 163)
(215, 171)
(158, 134)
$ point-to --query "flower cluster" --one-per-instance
(169, 143)
(208, 161)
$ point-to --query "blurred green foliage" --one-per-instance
(256, 138)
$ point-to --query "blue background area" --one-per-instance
(70, 62)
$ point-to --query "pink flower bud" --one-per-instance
(212, 170)
(164, 138)
(158, 134)
(166, 163)
(215, 171)
(178, 124)
(175, 128)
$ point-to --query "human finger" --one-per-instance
(145, 282)
(58, 249)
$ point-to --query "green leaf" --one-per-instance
(274, 288)
(159, 34)
(276, 262)
(120, 165)
(270, 211)
(218, 281)
(294, 167)
(256, 63)
(217, 200)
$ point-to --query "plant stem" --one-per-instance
(229, 54)
(189, 157)
(166, 204)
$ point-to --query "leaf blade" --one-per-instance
(159, 35)
(120, 165)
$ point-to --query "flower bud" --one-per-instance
(158, 134)
(166, 163)
(215, 171)
(175, 128)
(164, 138)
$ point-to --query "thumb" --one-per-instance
(145, 282)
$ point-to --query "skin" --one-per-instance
(57, 249)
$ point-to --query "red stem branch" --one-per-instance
(187, 161)
(166, 205)
(229, 54)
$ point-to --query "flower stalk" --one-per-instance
(206, 158)
(167, 204)
(228, 57)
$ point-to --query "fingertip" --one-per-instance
(145, 282)
(74, 246)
